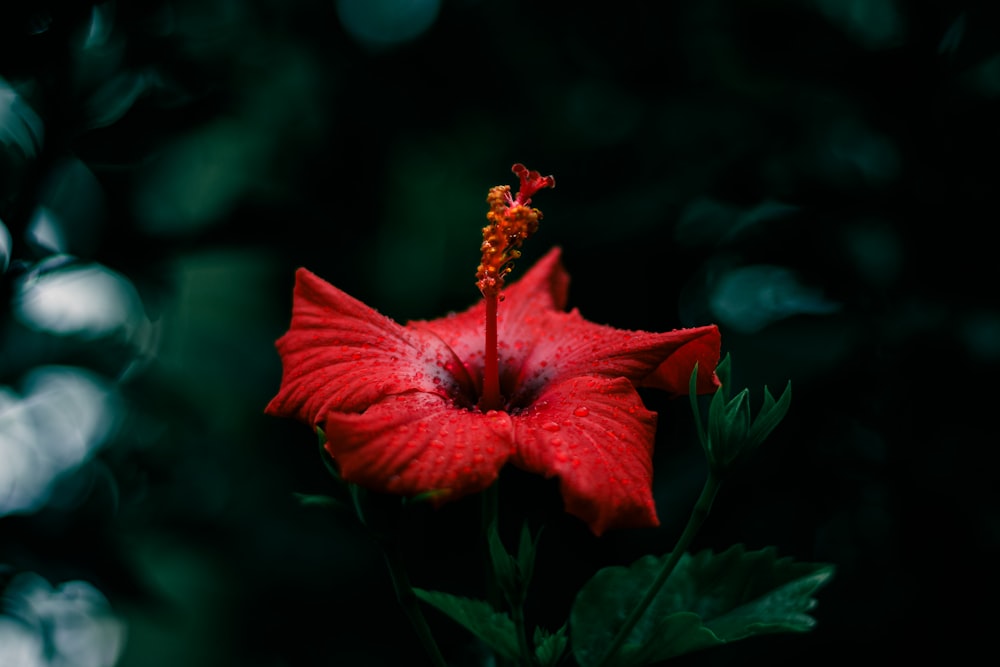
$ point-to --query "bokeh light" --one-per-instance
(86, 300)
(69, 625)
(383, 23)
(60, 417)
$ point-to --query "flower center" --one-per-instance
(511, 221)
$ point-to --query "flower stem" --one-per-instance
(697, 518)
(491, 399)
(524, 648)
(408, 601)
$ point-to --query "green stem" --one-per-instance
(697, 518)
(524, 648)
(400, 581)
(408, 601)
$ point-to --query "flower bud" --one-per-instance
(732, 435)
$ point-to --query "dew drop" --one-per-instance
(557, 442)
(581, 411)
(550, 426)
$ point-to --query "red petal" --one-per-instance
(341, 355)
(597, 437)
(674, 374)
(542, 289)
(568, 345)
(417, 442)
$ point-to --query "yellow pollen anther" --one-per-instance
(511, 221)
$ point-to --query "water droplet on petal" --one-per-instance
(550, 426)
(581, 411)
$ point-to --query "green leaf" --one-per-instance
(724, 371)
(709, 599)
(695, 410)
(716, 426)
(771, 414)
(526, 550)
(478, 617)
(503, 564)
(549, 647)
(735, 424)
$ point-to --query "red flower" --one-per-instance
(398, 403)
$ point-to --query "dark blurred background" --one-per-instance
(818, 177)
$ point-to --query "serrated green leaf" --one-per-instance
(494, 628)
(676, 634)
(732, 595)
(549, 647)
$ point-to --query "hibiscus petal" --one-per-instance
(597, 437)
(542, 289)
(568, 345)
(417, 442)
(341, 355)
(702, 346)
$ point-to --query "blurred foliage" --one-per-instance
(814, 175)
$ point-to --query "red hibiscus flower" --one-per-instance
(409, 409)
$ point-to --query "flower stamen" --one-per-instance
(511, 221)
